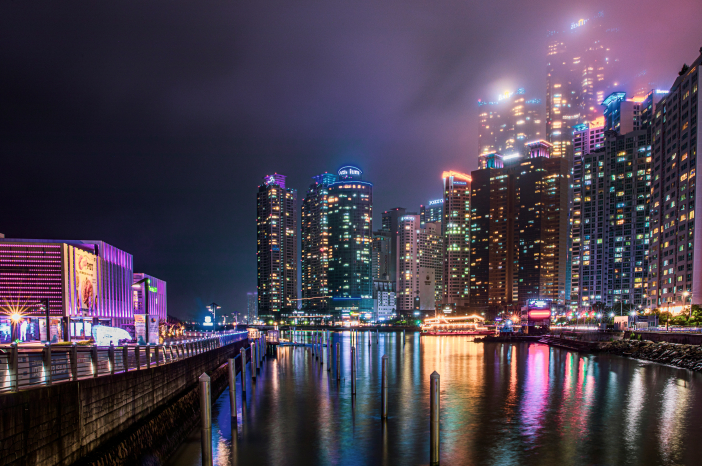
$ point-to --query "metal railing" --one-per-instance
(33, 366)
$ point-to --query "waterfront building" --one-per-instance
(350, 238)
(506, 123)
(251, 307)
(85, 282)
(315, 244)
(587, 138)
(390, 222)
(432, 212)
(158, 303)
(494, 249)
(384, 300)
(276, 248)
(519, 231)
(610, 220)
(582, 69)
(382, 256)
(456, 275)
(675, 257)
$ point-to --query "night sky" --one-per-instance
(150, 124)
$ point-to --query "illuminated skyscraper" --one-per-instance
(581, 71)
(350, 219)
(420, 265)
(508, 122)
(456, 279)
(381, 255)
(519, 230)
(391, 220)
(277, 248)
(251, 307)
(675, 258)
(433, 212)
(315, 244)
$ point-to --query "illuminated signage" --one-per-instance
(437, 201)
(153, 289)
(539, 303)
(661, 91)
(545, 314)
(460, 182)
(345, 171)
(208, 321)
(577, 24)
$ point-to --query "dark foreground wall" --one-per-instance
(60, 424)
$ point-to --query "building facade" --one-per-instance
(456, 256)
(315, 244)
(85, 282)
(381, 255)
(350, 241)
(519, 231)
(158, 302)
(432, 212)
(675, 257)
(276, 248)
(390, 222)
(507, 123)
(251, 307)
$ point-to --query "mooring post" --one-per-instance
(242, 352)
(434, 421)
(253, 360)
(353, 370)
(206, 420)
(384, 388)
(338, 362)
(232, 386)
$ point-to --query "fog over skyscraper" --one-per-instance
(582, 69)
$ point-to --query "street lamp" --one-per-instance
(213, 309)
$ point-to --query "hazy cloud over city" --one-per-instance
(149, 125)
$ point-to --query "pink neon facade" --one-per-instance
(157, 299)
(31, 270)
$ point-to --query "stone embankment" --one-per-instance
(674, 354)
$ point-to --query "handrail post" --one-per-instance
(136, 355)
(94, 357)
(14, 367)
(157, 355)
(74, 361)
(125, 358)
(47, 363)
(111, 357)
(147, 352)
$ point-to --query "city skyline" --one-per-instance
(159, 174)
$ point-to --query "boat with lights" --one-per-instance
(459, 325)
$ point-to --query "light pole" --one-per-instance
(213, 309)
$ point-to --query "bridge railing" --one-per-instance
(23, 367)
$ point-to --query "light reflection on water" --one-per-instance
(500, 404)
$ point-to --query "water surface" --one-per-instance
(501, 404)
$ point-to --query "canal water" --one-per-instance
(501, 404)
